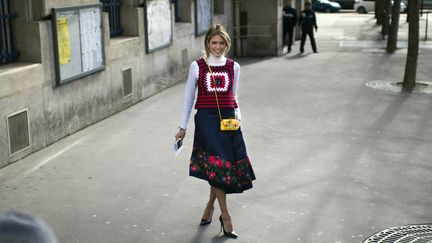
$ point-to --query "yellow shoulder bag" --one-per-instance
(225, 124)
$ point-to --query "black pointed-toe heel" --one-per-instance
(207, 221)
(231, 234)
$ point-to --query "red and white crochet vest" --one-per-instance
(224, 83)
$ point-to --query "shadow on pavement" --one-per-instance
(219, 237)
(298, 55)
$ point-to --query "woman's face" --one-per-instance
(217, 46)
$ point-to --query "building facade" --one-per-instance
(137, 58)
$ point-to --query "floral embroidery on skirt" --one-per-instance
(232, 177)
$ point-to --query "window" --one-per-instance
(182, 10)
(112, 7)
(219, 6)
(176, 10)
(7, 53)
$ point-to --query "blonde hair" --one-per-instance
(216, 30)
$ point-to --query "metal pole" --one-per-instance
(111, 15)
(7, 11)
(427, 21)
(119, 17)
(237, 27)
(120, 29)
(3, 35)
(421, 8)
(114, 16)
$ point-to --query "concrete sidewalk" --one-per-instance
(335, 161)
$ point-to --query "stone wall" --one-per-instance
(264, 27)
(55, 112)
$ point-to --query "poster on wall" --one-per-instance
(158, 22)
(91, 39)
(78, 41)
(203, 16)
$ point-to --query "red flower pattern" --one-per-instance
(233, 174)
(219, 163)
(228, 180)
(228, 164)
(212, 159)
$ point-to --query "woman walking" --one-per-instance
(218, 156)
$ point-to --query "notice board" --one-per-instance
(158, 22)
(78, 41)
(203, 16)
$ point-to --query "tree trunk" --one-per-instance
(413, 47)
(386, 19)
(394, 28)
(379, 5)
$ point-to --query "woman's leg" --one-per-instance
(208, 211)
(226, 218)
(212, 198)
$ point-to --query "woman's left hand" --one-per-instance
(181, 134)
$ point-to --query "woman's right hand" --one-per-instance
(181, 134)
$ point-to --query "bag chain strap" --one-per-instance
(214, 83)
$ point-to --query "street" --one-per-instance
(335, 160)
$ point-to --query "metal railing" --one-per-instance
(7, 53)
(112, 7)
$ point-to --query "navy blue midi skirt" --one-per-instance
(220, 157)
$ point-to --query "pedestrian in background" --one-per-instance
(289, 22)
(307, 21)
(23, 228)
(219, 157)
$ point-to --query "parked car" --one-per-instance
(426, 4)
(325, 6)
(345, 4)
(365, 6)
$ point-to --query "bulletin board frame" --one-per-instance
(78, 41)
(203, 14)
(154, 17)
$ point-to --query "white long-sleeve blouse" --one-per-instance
(191, 87)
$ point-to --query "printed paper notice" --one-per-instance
(64, 47)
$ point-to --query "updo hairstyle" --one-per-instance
(216, 30)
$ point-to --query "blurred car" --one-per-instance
(426, 4)
(345, 4)
(325, 6)
(365, 6)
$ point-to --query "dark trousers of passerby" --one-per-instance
(310, 33)
(290, 31)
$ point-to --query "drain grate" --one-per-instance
(403, 234)
(422, 87)
(18, 128)
(127, 82)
